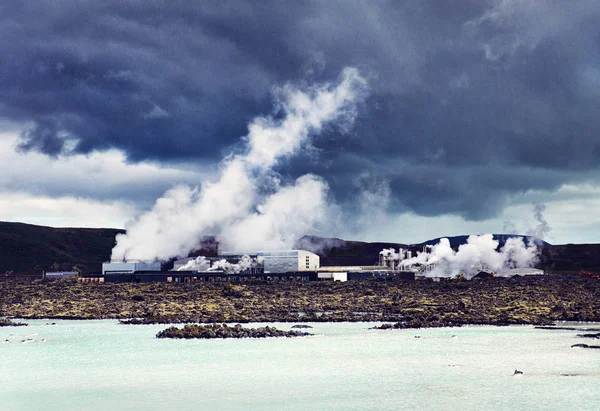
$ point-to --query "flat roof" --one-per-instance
(264, 253)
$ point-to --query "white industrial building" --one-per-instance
(129, 267)
(335, 276)
(280, 261)
(253, 262)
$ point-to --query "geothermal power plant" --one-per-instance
(476, 259)
(215, 205)
(290, 265)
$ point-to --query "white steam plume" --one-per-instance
(542, 228)
(283, 217)
(230, 204)
(197, 264)
(373, 202)
(245, 263)
(390, 253)
(479, 253)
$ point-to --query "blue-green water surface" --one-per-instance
(102, 365)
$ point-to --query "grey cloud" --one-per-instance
(156, 112)
(472, 103)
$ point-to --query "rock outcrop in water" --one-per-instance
(153, 319)
(421, 322)
(7, 322)
(212, 331)
(585, 346)
(551, 327)
(595, 336)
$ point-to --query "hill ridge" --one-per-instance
(32, 248)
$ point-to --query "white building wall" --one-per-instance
(280, 264)
(333, 276)
(308, 261)
(280, 261)
(340, 277)
(284, 261)
(129, 267)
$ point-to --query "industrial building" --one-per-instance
(392, 259)
(290, 265)
(279, 261)
(128, 267)
(295, 265)
(403, 260)
(194, 276)
(253, 262)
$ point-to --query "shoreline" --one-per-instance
(384, 325)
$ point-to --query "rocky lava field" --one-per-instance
(422, 303)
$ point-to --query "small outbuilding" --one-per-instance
(523, 271)
(55, 275)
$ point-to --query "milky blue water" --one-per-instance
(101, 365)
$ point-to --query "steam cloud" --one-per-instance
(390, 253)
(245, 263)
(479, 253)
(232, 205)
(197, 264)
(542, 228)
(204, 264)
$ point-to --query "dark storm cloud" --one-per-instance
(471, 102)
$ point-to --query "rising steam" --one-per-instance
(245, 263)
(231, 205)
(479, 253)
(542, 228)
(197, 264)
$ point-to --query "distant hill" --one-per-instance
(568, 258)
(334, 251)
(32, 248)
(571, 258)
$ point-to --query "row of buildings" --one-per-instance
(288, 265)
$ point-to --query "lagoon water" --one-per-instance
(102, 365)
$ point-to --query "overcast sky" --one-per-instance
(476, 110)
